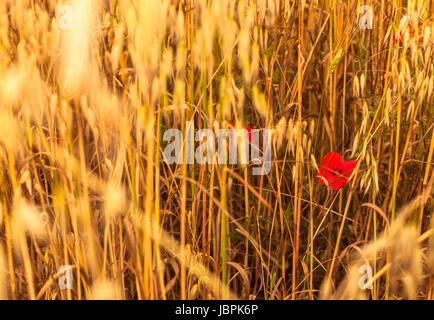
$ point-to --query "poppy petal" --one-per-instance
(346, 171)
(338, 184)
(326, 176)
(335, 172)
(332, 160)
(249, 133)
(348, 167)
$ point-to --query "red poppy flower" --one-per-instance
(400, 39)
(249, 132)
(335, 172)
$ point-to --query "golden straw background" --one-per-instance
(83, 180)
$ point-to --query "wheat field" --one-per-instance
(89, 88)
